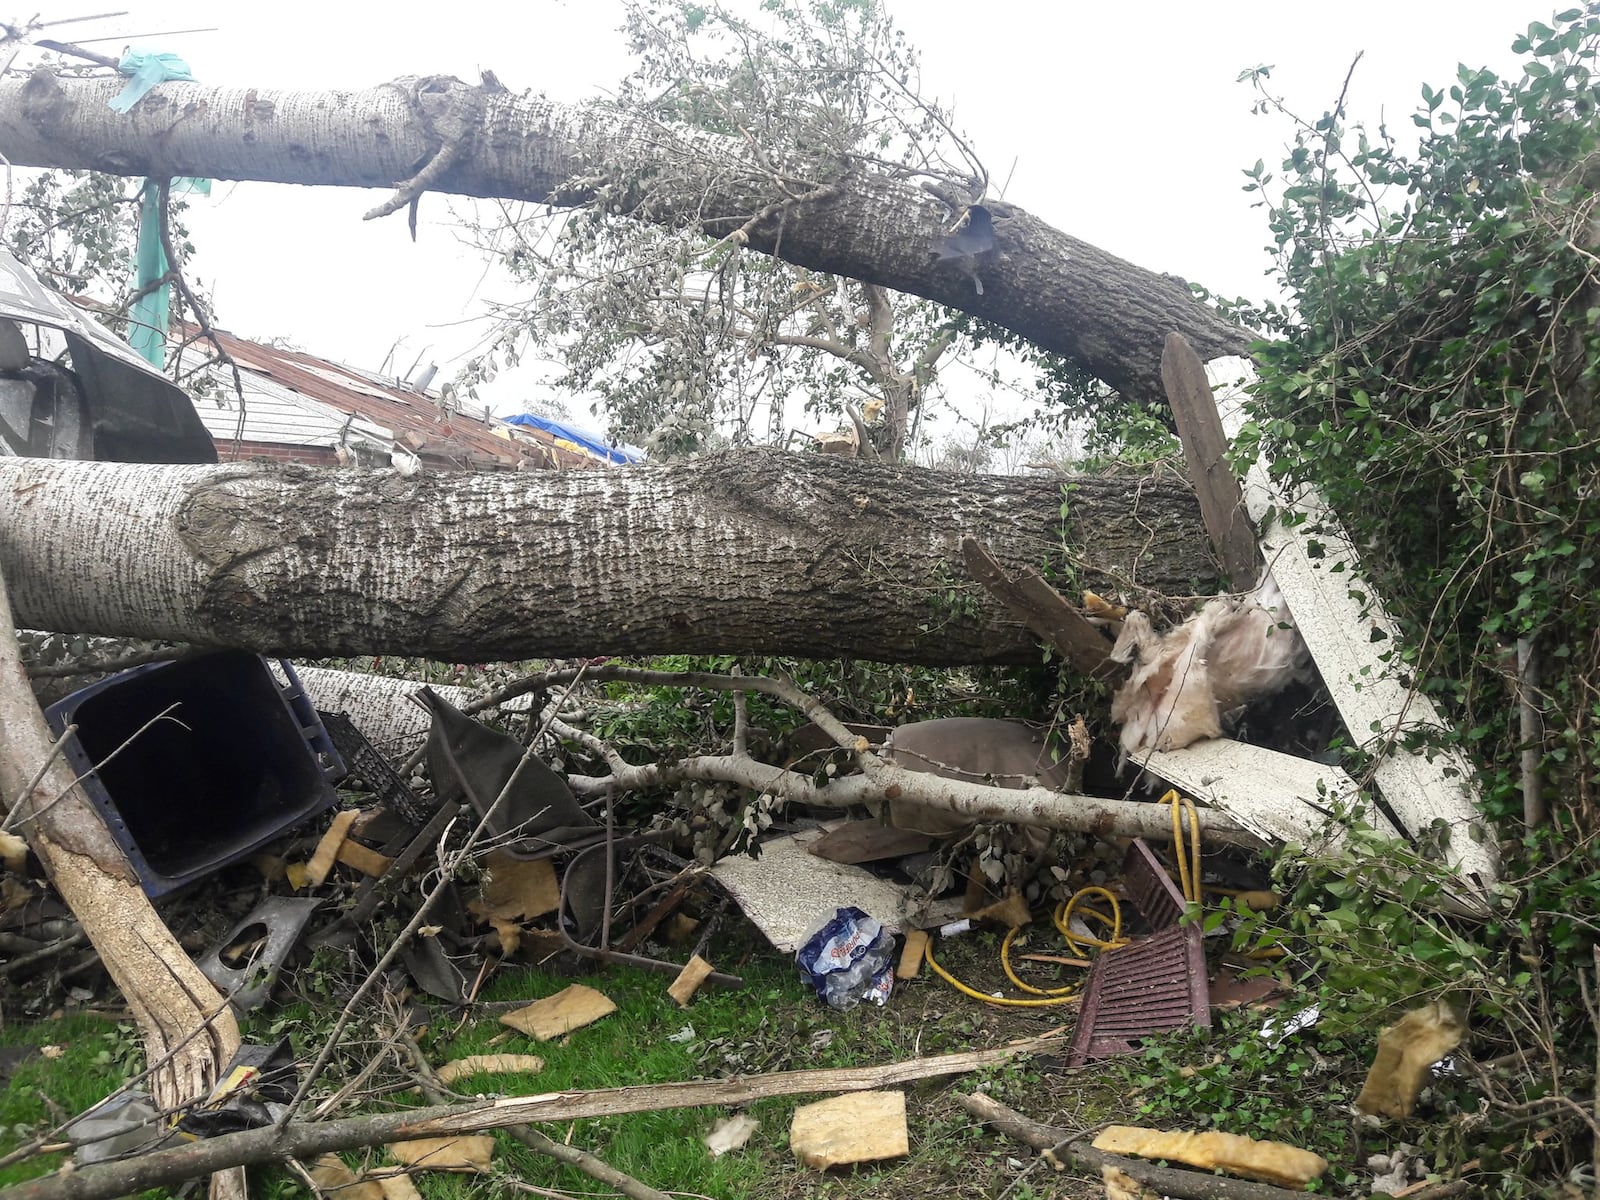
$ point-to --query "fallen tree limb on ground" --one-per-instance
(307, 1139)
(879, 781)
(1067, 1147)
(591, 1165)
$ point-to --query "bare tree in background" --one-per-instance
(690, 340)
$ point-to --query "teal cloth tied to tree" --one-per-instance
(147, 320)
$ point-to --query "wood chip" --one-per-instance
(13, 852)
(863, 1127)
(472, 1153)
(328, 848)
(489, 1064)
(911, 956)
(569, 1009)
(398, 1187)
(683, 988)
(335, 1178)
(363, 858)
(515, 887)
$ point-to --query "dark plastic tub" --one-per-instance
(240, 759)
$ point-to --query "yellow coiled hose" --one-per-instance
(1187, 849)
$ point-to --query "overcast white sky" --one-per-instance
(1125, 125)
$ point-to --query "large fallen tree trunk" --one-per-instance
(1109, 316)
(767, 553)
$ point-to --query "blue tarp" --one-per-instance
(584, 442)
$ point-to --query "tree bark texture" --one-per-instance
(756, 552)
(1106, 314)
(188, 1029)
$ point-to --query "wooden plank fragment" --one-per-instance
(683, 988)
(328, 848)
(363, 858)
(571, 1008)
(1042, 609)
(863, 1127)
(1354, 643)
(912, 954)
(1205, 449)
(305, 1138)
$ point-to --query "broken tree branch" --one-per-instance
(1205, 449)
(307, 1139)
(591, 1165)
(1036, 806)
(1066, 1147)
(1043, 610)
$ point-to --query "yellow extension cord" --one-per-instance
(1187, 851)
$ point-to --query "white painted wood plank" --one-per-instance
(1349, 635)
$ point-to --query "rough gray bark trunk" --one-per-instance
(1109, 316)
(760, 552)
(189, 1031)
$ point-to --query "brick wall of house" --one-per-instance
(316, 456)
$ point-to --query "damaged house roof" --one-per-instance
(301, 408)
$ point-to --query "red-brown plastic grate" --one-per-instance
(1149, 888)
(1153, 983)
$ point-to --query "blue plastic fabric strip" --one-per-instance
(144, 70)
(147, 320)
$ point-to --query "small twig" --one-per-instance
(530, 1137)
(15, 807)
(13, 816)
(14, 965)
(741, 719)
(201, 318)
(109, 666)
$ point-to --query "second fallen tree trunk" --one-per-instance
(763, 553)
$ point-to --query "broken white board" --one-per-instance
(788, 893)
(1355, 645)
(1277, 796)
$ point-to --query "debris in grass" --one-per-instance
(862, 1127)
(473, 1153)
(1271, 1162)
(683, 988)
(397, 1187)
(731, 1133)
(911, 954)
(489, 1064)
(569, 1009)
(1406, 1050)
(335, 1178)
(850, 958)
(1122, 1186)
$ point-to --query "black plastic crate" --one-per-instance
(240, 759)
